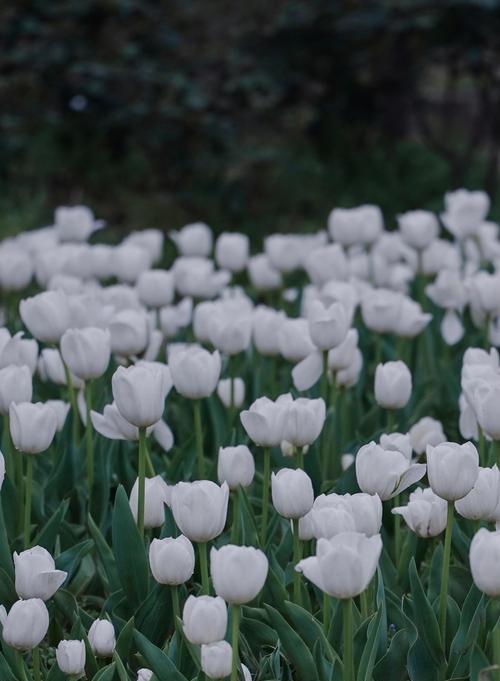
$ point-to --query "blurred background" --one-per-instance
(254, 116)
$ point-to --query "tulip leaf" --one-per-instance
(105, 554)
(5, 554)
(7, 589)
(120, 668)
(309, 629)
(369, 655)
(128, 547)
(424, 618)
(69, 560)
(258, 634)
(393, 664)
(421, 666)
(5, 671)
(154, 616)
(161, 665)
(465, 637)
(106, 673)
(47, 535)
(478, 664)
(125, 639)
(294, 647)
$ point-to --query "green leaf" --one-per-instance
(369, 655)
(48, 534)
(5, 553)
(8, 593)
(468, 629)
(70, 559)
(393, 665)
(154, 617)
(421, 666)
(120, 668)
(161, 664)
(124, 640)
(5, 671)
(424, 618)
(106, 674)
(105, 555)
(128, 547)
(309, 629)
(294, 647)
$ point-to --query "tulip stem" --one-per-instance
(496, 648)
(297, 555)
(482, 447)
(235, 635)
(496, 452)
(348, 647)
(326, 613)
(21, 667)
(391, 420)
(7, 447)
(89, 438)
(199, 440)
(27, 504)
(142, 480)
(36, 664)
(397, 532)
(235, 529)
(299, 457)
(202, 553)
(443, 597)
(363, 602)
(72, 401)
(266, 481)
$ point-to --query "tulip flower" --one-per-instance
(231, 392)
(385, 472)
(20, 352)
(216, 659)
(204, 619)
(102, 638)
(266, 324)
(61, 410)
(483, 501)
(46, 315)
(193, 239)
(236, 466)
(25, 626)
(328, 326)
(238, 572)
(392, 385)
(36, 576)
(15, 386)
(144, 674)
(156, 288)
(129, 332)
(231, 251)
(292, 492)
(16, 269)
(465, 211)
(425, 432)
(75, 223)
(262, 273)
(425, 514)
(484, 557)
(70, 656)
(156, 495)
(86, 351)
(171, 560)
(304, 421)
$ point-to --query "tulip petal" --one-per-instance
(307, 372)
(414, 473)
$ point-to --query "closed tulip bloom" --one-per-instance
(200, 509)
(327, 521)
(452, 469)
(86, 351)
(26, 624)
(216, 659)
(194, 239)
(236, 466)
(130, 261)
(144, 674)
(484, 556)
(102, 638)
(465, 212)
(75, 223)
(304, 421)
(157, 494)
(266, 324)
(392, 385)
(129, 332)
(262, 273)
(204, 619)
(427, 431)
(295, 340)
(264, 421)
(344, 565)
(171, 560)
(231, 251)
(16, 269)
(15, 386)
(20, 351)
(385, 472)
(230, 332)
(70, 657)
(412, 320)
(140, 392)
(425, 514)
(380, 309)
(32, 426)
(195, 372)
(366, 509)
(292, 492)
(224, 392)
(46, 315)
(61, 409)
(328, 326)
(483, 501)
(36, 574)
(486, 404)
(418, 228)
(156, 288)
(238, 572)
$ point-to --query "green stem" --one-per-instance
(391, 420)
(19, 465)
(202, 554)
(174, 590)
(7, 447)
(496, 649)
(235, 636)
(199, 440)
(363, 601)
(27, 504)
(73, 402)
(299, 457)
(20, 666)
(482, 447)
(326, 613)
(235, 528)
(348, 647)
(89, 439)
(297, 555)
(266, 482)
(397, 532)
(496, 452)
(445, 573)
(142, 480)
(36, 664)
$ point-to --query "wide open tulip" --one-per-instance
(171, 560)
(204, 619)
(36, 574)
(385, 472)
(452, 469)
(86, 351)
(32, 426)
(238, 572)
(200, 509)
(26, 624)
(140, 392)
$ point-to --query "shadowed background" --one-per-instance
(255, 116)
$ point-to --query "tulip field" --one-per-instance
(224, 459)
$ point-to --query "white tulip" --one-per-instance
(171, 560)
(238, 572)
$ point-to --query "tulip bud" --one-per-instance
(262, 274)
(266, 324)
(200, 509)
(157, 494)
(264, 421)
(452, 469)
(171, 560)
(425, 514)
(238, 572)
(86, 351)
(194, 239)
(304, 421)
(204, 619)
(140, 392)
(36, 574)
(294, 339)
(385, 472)
(156, 288)
(70, 657)
(195, 372)
(344, 565)
(486, 408)
(236, 466)
(224, 392)
(16, 269)
(327, 325)
(32, 426)
(16, 633)
(292, 492)
(129, 332)
(46, 315)
(20, 351)
(216, 659)
(392, 385)
(328, 521)
(102, 638)
(484, 559)
(144, 674)
(418, 228)
(483, 501)
(231, 251)
(15, 386)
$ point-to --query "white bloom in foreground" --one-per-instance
(304, 421)
(70, 657)
(238, 572)
(452, 469)
(36, 574)
(156, 495)
(483, 501)
(216, 659)
(195, 372)
(26, 624)
(86, 351)
(102, 638)
(425, 514)
(344, 565)
(32, 426)
(140, 392)
(327, 325)
(264, 421)
(292, 492)
(236, 466)
(484, 559)
(171, 560)
(385, 472)
(392, 385)
(19, 351)
(204, 619)
(200, 509)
